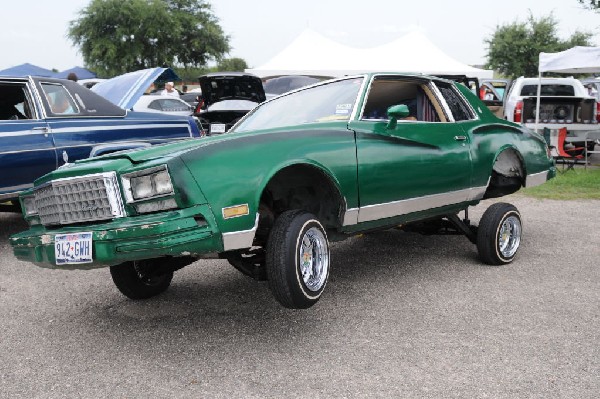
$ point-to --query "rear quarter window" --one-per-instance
(460, 110)
(548, 90)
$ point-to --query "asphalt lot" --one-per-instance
(403, 316)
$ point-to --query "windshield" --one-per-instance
(328, 102)
(284, 84)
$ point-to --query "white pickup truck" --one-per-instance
(564, 102)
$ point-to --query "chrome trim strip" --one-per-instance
(63, 130)
(25, 132)
(16, 193)
(152, 142)
(355, 109)
(350, 217)
(442, 101)
(397, 208)
(240, 239)
(536, 179)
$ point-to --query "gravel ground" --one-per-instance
(404, 316)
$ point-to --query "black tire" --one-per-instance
(499, 234)
(291, 232)
(140, 279)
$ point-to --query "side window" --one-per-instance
(15, 103)
(59, 100)
(155, 105)
(459, 109)
(172, 104)
(417, 96)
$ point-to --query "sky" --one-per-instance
(34, 31)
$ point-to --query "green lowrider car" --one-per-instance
(322, 163)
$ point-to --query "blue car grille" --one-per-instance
(77, 200)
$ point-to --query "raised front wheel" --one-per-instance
(499, 234)
(297, 259)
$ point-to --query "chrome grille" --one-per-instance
(79, 199)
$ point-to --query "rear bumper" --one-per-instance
(186, 232)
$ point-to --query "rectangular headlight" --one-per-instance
(148, 183)
(29, 205)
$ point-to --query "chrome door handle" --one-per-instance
(460, 138)
(40, 129)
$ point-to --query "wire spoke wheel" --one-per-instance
(509, 237)
(313, 259)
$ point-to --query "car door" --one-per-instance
(421, 163)
(26, 144)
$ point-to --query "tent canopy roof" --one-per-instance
(81, 73)
(26, 70)
(578, 59)
(313, 54)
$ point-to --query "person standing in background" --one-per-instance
(170, 90)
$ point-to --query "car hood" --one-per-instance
(125, 90)
(240, 86)
(170, 150)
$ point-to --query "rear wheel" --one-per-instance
(140, 279)
(499, 234)
(297, 259)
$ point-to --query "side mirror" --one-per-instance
(394, 113)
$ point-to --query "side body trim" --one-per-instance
(397, 208)
(240, 239)
(536, 179)
(353, 216)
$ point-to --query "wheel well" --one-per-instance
(302, 187)
(508, 174)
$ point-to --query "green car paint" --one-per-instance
(377, 174)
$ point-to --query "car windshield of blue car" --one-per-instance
(329, 102)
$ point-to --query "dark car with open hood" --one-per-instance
(226, 97)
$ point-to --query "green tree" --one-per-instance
(232, 64)
(513, 49)
(590, 4)
(118, 36)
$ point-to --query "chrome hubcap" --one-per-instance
(314, 259)
(509, 238)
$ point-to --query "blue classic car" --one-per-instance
(45, 123)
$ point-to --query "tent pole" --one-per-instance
(537, 103)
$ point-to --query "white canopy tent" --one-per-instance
(313, 54)
(578, 59)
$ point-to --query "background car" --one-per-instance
(282, 84)
(163, 104)
(46, 123)
(317, 164)
(564, 102)
(192, 98)
(226, 97)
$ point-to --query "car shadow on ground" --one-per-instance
(210, 294)
(211, 298)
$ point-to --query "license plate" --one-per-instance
(217, 128)
(74, 248)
